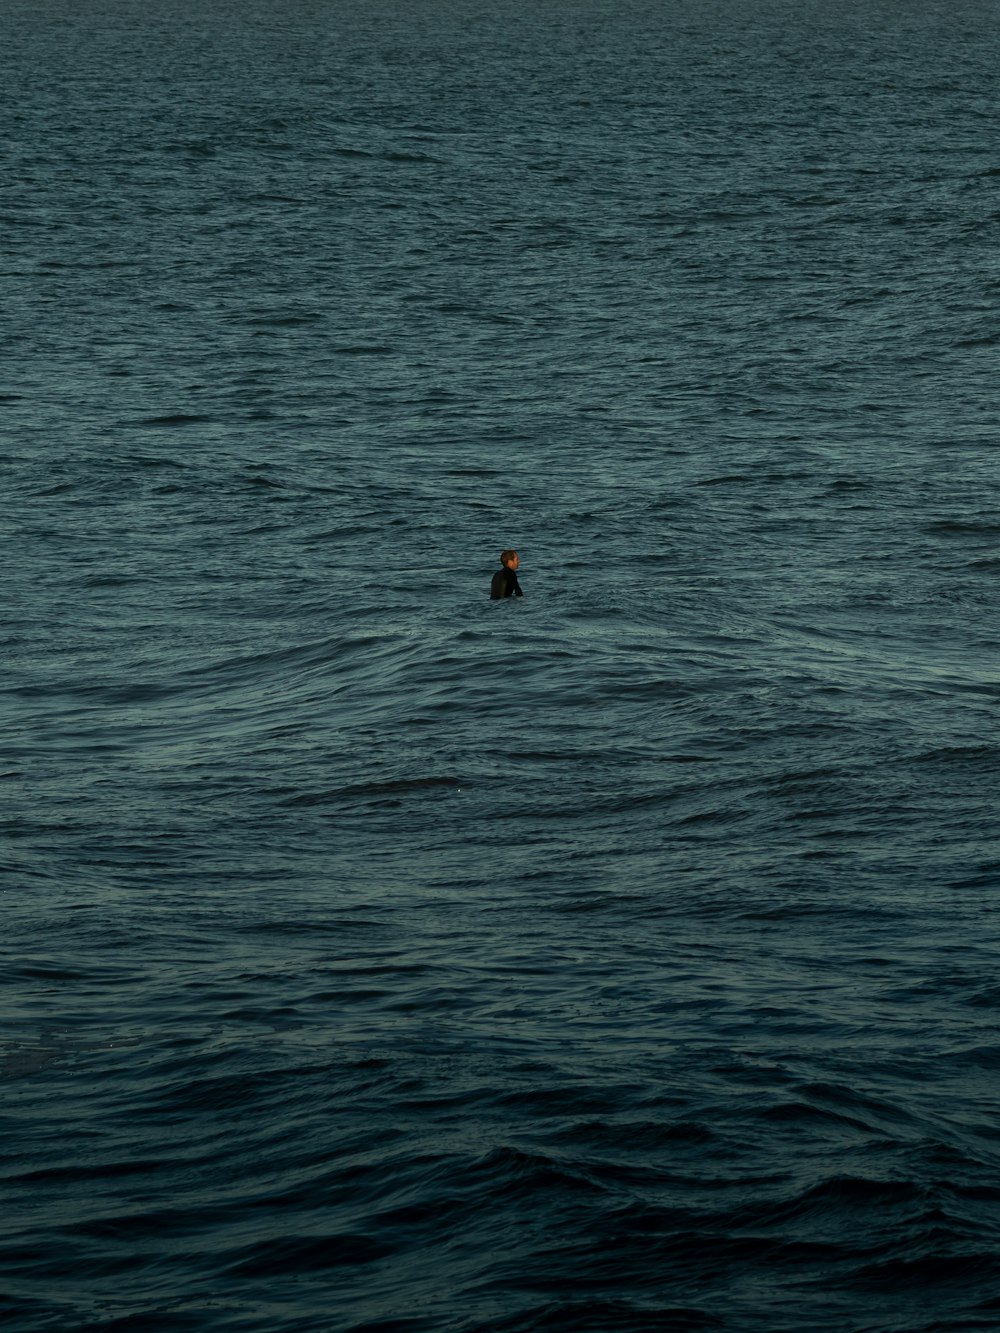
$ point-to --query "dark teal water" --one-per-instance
(378, 957)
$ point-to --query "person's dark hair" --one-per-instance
(506, 555)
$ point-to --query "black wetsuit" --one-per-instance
(505, 584)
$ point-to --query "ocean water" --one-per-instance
(381, 959)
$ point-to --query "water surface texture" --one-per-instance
(381, 959)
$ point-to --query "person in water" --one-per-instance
(505, 582)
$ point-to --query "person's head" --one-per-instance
(510, 559)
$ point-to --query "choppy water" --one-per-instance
(378, 957)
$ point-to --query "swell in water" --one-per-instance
(381, 958)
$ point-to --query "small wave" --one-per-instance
(956, 527)
(975, 755)
(726, 479)
(601, 1316)
(175, 419)
(987, 877)
(259, 480)
(511, 1172)
(306, 1254)
(988, 995)
(800, 1113)
(401, 155)
(286, 321)
(338, 926)
(923, 1273)
(396, 787)
(983, 340)
(194, 148)
(636, 1136)
(854, 1192)
(157, 462)
(114, 693)
(58, 488)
